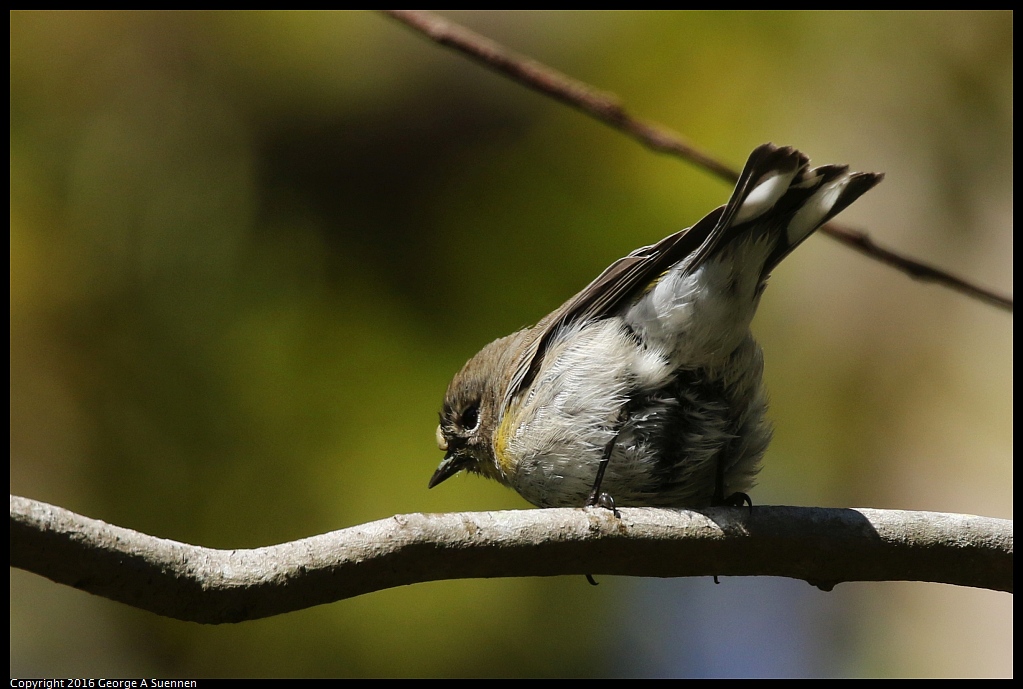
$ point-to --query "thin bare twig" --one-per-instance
(608, 108)
(604, 106)
(824, 547)
(918, 270)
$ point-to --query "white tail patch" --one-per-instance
(764, 195)
(810, 179)
(812, 213)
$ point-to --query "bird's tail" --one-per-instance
(701, 307)
(779, 192)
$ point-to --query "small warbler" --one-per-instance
(646, 387)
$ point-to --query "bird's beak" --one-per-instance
(452, 463)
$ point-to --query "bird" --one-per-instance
(646, 388)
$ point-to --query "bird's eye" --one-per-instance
(470, 418)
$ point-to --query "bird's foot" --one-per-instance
(603, 500)
(733, 500)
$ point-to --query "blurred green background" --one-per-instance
(248, 251)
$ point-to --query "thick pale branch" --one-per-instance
(822, 546)
(608, 108)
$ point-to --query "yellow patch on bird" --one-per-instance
(504, 432)
(650, 285)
